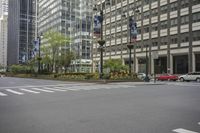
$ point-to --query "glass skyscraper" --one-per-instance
(72, 18)
(21, 24)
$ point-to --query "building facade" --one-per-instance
(169, 28)
(3, 7)
(3, 32)
(73, 19)
(3, 40)
(21, 24)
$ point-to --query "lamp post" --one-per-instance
(101, 42)
(129, 45)
(147, 67)
(39, 56)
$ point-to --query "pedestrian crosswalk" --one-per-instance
(15, 92)
(36, 92)
(182, 130)
(51, 89)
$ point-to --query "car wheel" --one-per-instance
(182, 79)
(198, 80)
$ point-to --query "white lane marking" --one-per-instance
(2, 94)
(30, 91)
(15, 92)
(54, 89)
(73, 89)
(199, 123)
(181, 130)
(42, 90)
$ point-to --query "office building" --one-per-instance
(73, 19)
(3, 40)
(21, 26)
(3, 7)
(169, 28)
(3, 32)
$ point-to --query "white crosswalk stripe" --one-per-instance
(54, 89)
(38, 89)
(73, 89)
(15, 92)
(35, 92)
(2, 94)
(51, 89)
(181, 130)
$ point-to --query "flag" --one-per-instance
(97, 26)
(133, 30)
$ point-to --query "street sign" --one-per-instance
(155, 55)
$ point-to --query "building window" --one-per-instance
(196, 36)
(174, 40)
(184, 38)
(163, 9)
(174, 6)
(174, 22)
(196, 17)
(153, 1)
(146, 15)
(146, 29)
(163, 25)
(154, 12)
(184, 3)
(155, 43)
(184, 19)
(138, 3)
(163, 41)
(195, 2)
(146, 2)
(139, 30)
(154, 27)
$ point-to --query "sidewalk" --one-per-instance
(139, 83)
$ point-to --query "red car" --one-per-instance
(167, 77)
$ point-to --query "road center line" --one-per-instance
(42, 90)
(30, 91)
(15, 92)
(181, 130)
(2, 94)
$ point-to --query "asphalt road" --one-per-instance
(43, 106)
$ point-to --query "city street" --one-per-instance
(45, 106)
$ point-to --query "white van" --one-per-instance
(195, 76)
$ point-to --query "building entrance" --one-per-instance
(160, 65)
(141, 65)
(180, 64)
(197, 64)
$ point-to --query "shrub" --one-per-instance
(20, 69)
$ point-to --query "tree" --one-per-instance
(65, 59)
(55, 42)
(115, 65)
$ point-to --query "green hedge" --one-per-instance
(20, 69)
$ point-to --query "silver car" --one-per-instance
(195, 76)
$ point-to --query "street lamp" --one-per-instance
(146, 79)
(39, 58)
(130, 24)
(101, 42)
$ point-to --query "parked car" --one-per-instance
(141, 76)
(195, 76)
(167, 77)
